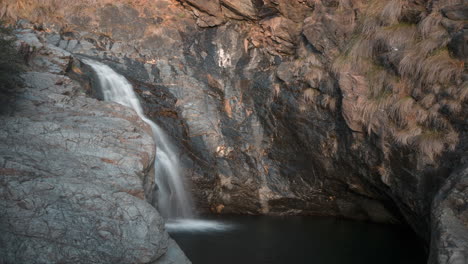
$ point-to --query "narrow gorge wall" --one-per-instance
(346, 108)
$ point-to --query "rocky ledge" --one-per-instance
(75, 172)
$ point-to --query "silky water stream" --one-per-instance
(174, 201)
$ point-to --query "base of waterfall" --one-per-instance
(197, 225)
(294, 239)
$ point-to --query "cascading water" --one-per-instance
(173, 199)
(174, 202)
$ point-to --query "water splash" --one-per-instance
(197, 225)
(173, 199)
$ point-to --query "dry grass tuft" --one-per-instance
(407, 136)
(373, 112)
(341, 65)
(441, 68)
(423, 69)
(391, 12)
(40, 11)
(463, 95)
(363, 48)
(428, 45)
(328, 102)
(402, 111)
(430, 24)
(427, 101)
(433, 142)
(453, 106)
(309, 95)
(408, 67)
(380, 82)
(436, 121)
(36, 10)
(345, 4)
(313, 75)
(398, 36)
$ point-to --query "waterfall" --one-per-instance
(173, 199)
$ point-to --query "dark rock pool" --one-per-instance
(317, 240)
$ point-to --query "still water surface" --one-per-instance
(284, 240)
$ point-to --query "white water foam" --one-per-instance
(197, 225)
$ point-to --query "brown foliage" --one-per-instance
(407, 102)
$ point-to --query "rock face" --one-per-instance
(75, 173)
(346, 108)
(449, 220)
